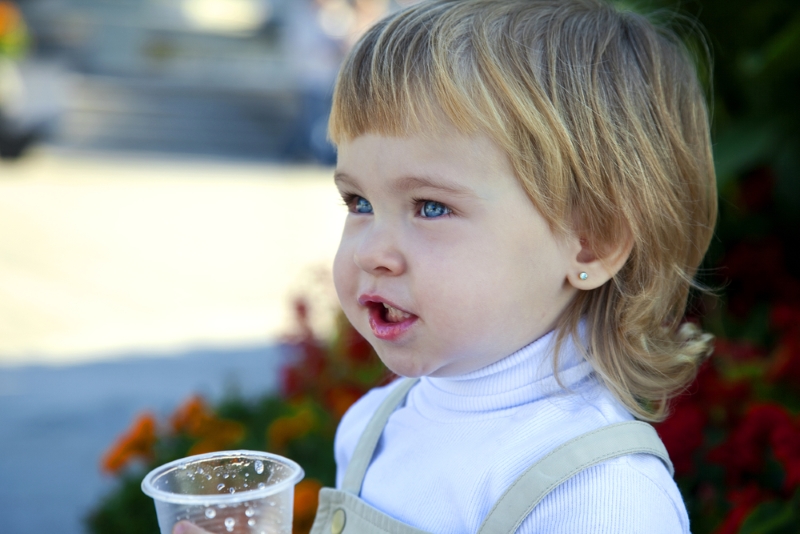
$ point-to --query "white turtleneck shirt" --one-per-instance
(452, 449)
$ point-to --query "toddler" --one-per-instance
(530, 191)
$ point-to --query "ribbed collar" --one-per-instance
(522, 377)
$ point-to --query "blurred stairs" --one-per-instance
(112, 113)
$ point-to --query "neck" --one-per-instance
(524, 376)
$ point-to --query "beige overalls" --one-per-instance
(343, 512)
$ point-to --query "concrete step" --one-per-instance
(119, 114)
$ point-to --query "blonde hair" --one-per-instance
(605, 123)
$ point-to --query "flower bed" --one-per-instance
(319, 384)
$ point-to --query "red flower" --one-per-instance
(722, 400)
(785, 441)
(756, 189)
(302, 374)
(744, 451)
(314, 359)
(785, 365)
(756, 261)
(292, 381)
(785, 317)
(682, 434)
(356, 348)
(743, 502)
(757, 272)
(738, 351)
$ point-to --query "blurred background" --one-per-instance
(230, 78)
(165, 196)
(167, 218)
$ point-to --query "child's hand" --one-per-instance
(184, 527)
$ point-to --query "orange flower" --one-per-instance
(137, 442)
(191, 416)
(340, 398)
(285, 429)
(219, 435)
(214, 434)
(306, 499)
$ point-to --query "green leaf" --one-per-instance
(742, 146)
(772, 518)
(125, 511)
(787, 188)
(784, 47)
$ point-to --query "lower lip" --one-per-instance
(388, 331)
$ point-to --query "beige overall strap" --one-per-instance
(362, 455)
(566, 461)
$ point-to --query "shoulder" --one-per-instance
(627, 495)
(353, 424)
(630, 494)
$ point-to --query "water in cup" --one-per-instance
(238, 492)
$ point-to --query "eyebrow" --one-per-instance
(409, 183)
(341, 178)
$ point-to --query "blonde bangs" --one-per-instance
(396, 82)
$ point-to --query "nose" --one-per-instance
(377, 251)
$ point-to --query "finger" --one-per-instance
(184, 527)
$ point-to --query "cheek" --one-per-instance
(453, 287)
(493, 281)
(343, 275)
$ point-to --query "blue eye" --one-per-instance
(362, 205)
(431, 209)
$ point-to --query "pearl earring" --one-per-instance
(583, 276)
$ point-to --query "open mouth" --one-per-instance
(386, 321)
(390, 314)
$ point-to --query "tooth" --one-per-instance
(395, 316)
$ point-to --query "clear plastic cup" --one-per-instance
(239, 492)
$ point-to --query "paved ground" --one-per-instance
(56, 422)
(110, 254)
(152, 277)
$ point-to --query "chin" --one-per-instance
(405, 367)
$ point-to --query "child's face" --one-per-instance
(445, 266)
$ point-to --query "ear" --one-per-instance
(600, 266)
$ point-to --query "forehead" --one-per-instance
(447, 158)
